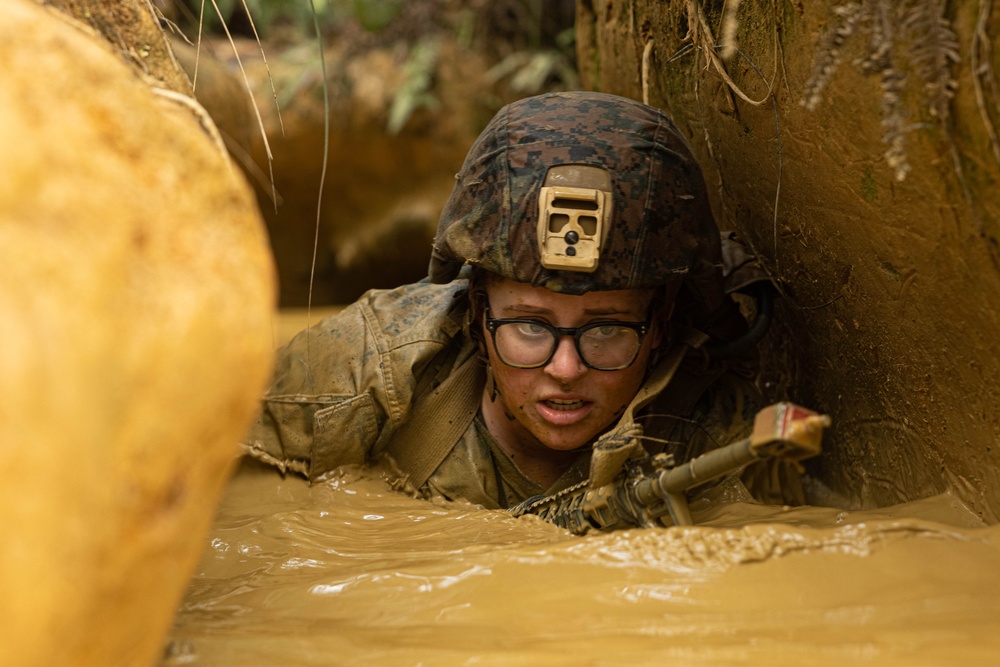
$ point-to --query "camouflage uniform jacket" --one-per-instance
(342, 389)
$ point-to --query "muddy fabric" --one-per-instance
(344, 387)
(662, 230)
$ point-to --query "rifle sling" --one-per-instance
(437, 422)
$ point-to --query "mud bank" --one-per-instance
(135, 303)
(892, 286)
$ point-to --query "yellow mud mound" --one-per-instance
(135, 306)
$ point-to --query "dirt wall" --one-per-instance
(877, 212)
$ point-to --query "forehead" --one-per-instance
(506, 293)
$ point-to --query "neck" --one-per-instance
(533, 459)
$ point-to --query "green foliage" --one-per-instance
(533, 58)
(415, 91)
(531, 72)
(869, 190)
(264, 13)
(373, 15)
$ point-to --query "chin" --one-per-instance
(568, 443)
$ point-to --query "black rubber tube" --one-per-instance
(761, 323)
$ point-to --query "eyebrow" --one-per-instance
(526, 309)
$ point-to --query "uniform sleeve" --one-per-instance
(326, 404)
(342, 388)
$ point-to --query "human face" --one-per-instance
(562, 405)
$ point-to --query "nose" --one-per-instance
(566, 364)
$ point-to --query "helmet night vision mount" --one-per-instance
(574, 214)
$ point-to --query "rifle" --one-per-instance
(649, 488)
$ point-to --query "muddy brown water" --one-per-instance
(348, 572)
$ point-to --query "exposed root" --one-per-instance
(960, 174)
(157, 15)
(244, 159)
(777, 135)
(819, 306)
(249, 88)
(698, 426)
(704, 32)
(779, 53)
(197, 48)
(206, 120)
(174, 28)
(322, 177)
(267, 68)
(647, 53)
(983, 69)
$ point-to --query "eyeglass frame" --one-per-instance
(641, 329)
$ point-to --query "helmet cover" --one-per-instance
(661, 228)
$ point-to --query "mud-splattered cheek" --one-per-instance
(523, 408)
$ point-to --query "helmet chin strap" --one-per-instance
(491, 386)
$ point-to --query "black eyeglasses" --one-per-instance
(603, 346)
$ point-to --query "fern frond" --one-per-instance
(830, 52)
(880, 39)
(893, 121)
(934, 49)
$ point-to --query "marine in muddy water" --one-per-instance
(578, 289)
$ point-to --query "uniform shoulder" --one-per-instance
(416, 312)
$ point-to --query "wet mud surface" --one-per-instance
(347, 572)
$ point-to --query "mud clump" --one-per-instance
(135, 318)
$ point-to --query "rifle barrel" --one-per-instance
(697, 471)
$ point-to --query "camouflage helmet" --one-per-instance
(658, 227)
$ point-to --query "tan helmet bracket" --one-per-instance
(574, 214)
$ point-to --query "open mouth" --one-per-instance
(558, 404)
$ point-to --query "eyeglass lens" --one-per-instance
(602, 346)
